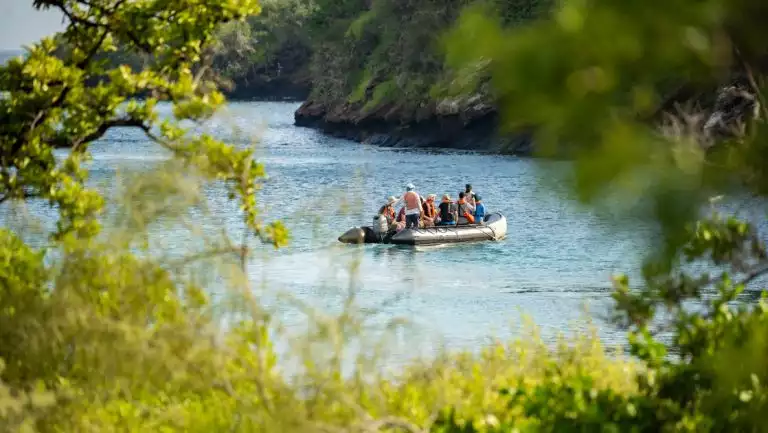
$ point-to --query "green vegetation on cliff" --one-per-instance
(591, 76)
(367, 52)
(269, 54)
(376, 53)
(264, 56)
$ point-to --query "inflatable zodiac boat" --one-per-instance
(494, 228)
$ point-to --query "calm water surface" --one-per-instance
(556, 259)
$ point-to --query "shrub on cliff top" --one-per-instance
(383, 52)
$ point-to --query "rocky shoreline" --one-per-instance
(473, 125)
(446, 125)
(472, 122)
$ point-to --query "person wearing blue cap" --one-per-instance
(479, 210)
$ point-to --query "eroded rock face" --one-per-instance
(468, 123)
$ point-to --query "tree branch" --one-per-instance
(752, 82)
(71, 17)
(753, 274)
(43, 114)
(79, 20)
(123, 122)
(24, 195)
(393, 423)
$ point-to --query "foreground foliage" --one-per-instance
(102, 331)
(588, 81)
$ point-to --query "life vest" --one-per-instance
(429, 209)
(388, 212)
(464, 212)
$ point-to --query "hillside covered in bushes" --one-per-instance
(367, 69)
(381, 71)
(386, 78)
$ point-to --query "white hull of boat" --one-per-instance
(493, 228)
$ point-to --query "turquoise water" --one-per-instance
(556, 259)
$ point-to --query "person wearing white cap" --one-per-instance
(388, 209)
(385, 219)
(413, 209)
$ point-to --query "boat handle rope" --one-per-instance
(444, 229)
(493, 238)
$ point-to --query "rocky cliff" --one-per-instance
(467, 125)
(471, 124)
(379, 75)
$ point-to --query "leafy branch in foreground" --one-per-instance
(592, 79)
(63, 94)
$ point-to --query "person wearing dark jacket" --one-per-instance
(447, 211)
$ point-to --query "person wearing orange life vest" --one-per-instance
(429, 211)
(465, 210)
(398, 223)
(401, 215)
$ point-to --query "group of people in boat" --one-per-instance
(418, 212)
